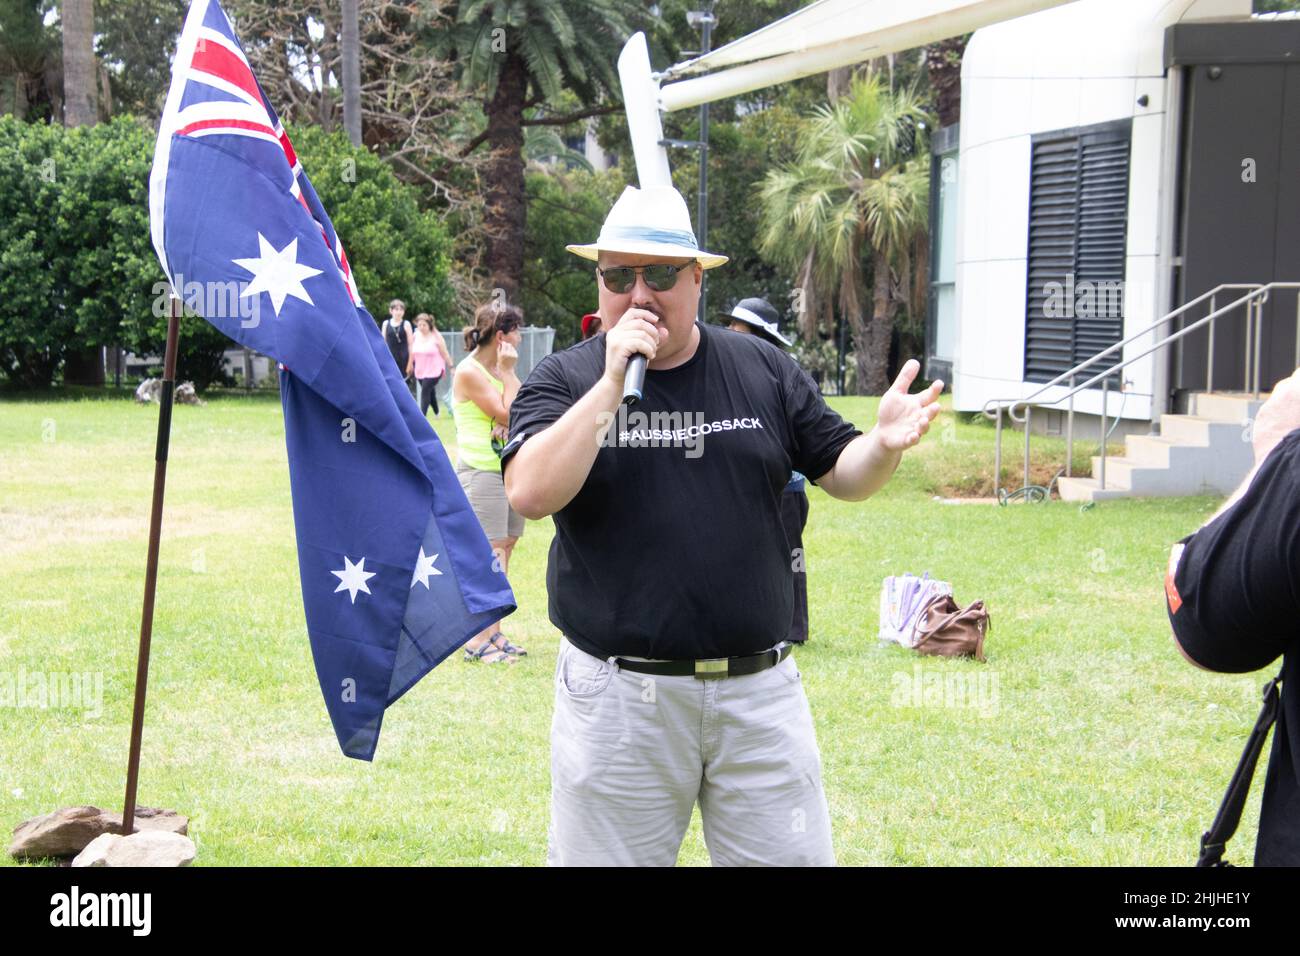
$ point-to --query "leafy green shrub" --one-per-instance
(396, 249)
(78, 269)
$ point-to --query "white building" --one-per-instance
(1079, 106)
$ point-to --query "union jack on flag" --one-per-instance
(395, 570)
(221, 97)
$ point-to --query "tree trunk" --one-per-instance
(19, 107)
(919, 293)
(328, 52)
(943, 62)
(79, 79)
(82, 366)
(873, 346)
(105, 91)
(837, 82)
(352, 71)
(504, 212)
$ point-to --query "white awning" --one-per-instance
(816, 24)
(828, 34)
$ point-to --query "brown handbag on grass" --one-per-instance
(946, 628)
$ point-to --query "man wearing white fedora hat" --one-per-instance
(669, 575)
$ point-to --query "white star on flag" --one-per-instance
(353, 577)
(423, 568)
(278, 274)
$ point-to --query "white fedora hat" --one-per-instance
(652, 221)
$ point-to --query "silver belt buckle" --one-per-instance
(711, 668)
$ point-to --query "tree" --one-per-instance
(558, 288)
(395, 248)
(740, 155)
(943, 63)
(29, 350)
(80, 108)
(416, 117)
(135, 43)
(78, 269)
(80, 102)
(520, 54)
(30, 80)
(859, 187)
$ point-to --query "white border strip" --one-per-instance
(167, 125)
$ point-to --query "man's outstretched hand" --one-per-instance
(902, 419)
(867, 462)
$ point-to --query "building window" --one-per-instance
(1078, 219)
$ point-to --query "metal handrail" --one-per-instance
(1211, 294)
(1253, 300)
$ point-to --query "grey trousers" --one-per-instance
(632, 753)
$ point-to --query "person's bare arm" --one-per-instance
(477, 389)
(551, 466)
(862, 468)
(869, 461)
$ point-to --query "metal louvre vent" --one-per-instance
(1078, 216)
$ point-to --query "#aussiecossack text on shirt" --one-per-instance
(674, 547)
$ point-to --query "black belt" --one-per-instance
(711, 667)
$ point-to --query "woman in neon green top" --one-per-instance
(482, 390)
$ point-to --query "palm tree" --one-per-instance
(544, 146)
(859, 186)
(80, 106)
(522, 54)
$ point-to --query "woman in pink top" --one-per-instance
(430, 357)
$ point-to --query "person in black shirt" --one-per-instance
(398, 337)
(757, 316)
(1233, 597)
(670, 575)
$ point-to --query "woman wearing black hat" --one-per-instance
(759, 317)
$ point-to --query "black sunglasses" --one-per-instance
(660, 278)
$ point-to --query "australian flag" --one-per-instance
(396, 572)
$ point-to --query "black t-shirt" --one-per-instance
(674, 547)
(1235, 606)
(395, 337)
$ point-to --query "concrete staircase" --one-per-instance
(1207, 452)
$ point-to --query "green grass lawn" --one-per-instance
(1090, 740)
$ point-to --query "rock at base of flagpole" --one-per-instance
(142, 848)
(96, 850)
(68, 831)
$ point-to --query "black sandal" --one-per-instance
(485, 652)
(506, 646)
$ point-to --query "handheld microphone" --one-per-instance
(634, 379)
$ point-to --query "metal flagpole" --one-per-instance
(151, 563)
